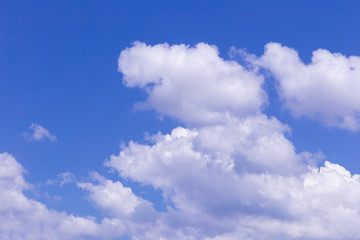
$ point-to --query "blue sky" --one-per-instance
(59, 71)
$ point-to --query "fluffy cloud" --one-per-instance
(37, 132)
(24, 218)
(238, 177)
(194, 84)
(211, 195)
(113, 197)
(231, 173)
(327, 89)
(194, 174)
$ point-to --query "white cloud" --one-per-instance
(37, 133)
(214, 198)
(231, 174)
(192, 84)
(113, 197)
(239, 177)
(326, 90)
(24, 218)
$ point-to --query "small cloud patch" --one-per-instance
(37, 132)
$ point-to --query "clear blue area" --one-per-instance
(58, 62)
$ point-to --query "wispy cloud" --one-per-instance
(62, 178)
(37, 132)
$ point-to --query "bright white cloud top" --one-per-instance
(326, 90)
(229, 173)
(38, 132)
(194, 84)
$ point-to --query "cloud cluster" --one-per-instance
(326, 90)
(220, 199)
(24, 218)
(230, 172)
(239, 177)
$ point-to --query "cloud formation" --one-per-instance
(113, 196)
(229, 173)
(239, 177)
(37, 133)
(326, 90)
(214, 196)
(24, 218)
(192, 84)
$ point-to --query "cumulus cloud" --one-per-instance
(238, 177)
(113, 197)
(326, 89)
(231, 202)
(194, 175)
(24, 218)
(37, 133)
(192, 84)
(229, 173)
